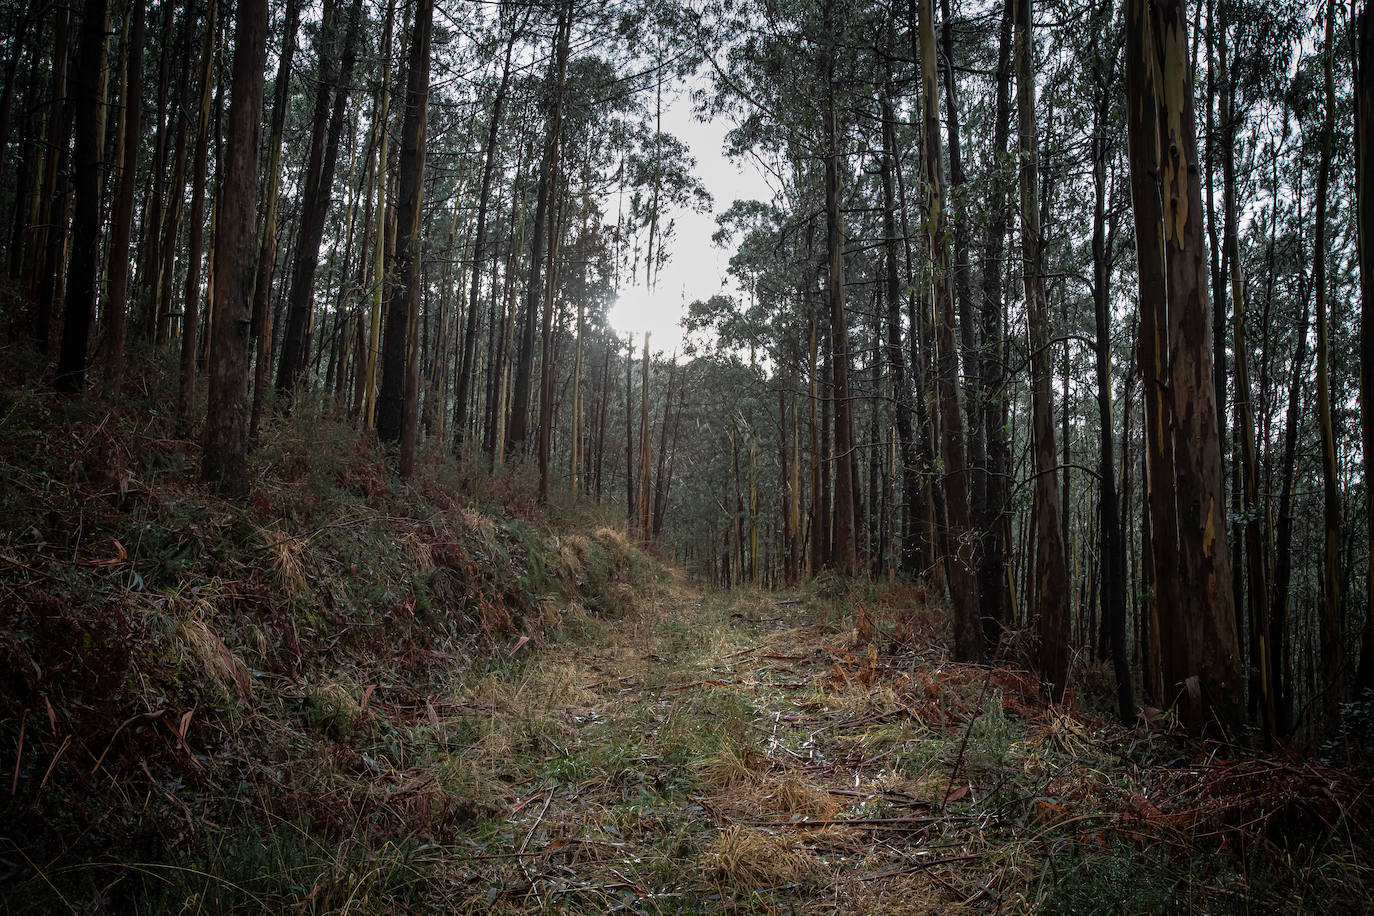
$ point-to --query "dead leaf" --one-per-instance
(958, 794)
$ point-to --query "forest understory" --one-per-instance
(351, 697)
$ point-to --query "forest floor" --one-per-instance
(755, 754)
(353, 696)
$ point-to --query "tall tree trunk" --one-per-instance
(267, 254)
(379, 215)
(84, 266)
(1052, 575)
(225, 458)
(397, 421)
(1194, 604)
(1257, 533)
(1113, 578)
(50, 241)
(1331, 687)
(469, 343)
(629, 440)
(911, 481)
(315, 200)
(816, 518)
(116, 310)
(1363, 39)
(846, 557)
(524, 363)
(992, 510)
(646, 470)
(547, 367)
(963, 296)
(961, 552)
(190, 300)
(174, 204)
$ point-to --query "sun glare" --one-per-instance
(638, 309)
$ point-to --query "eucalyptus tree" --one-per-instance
(224, 459)
(336, 54)
(92, 49)
(796, 108)
(1198, 653)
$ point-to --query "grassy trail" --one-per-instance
(715, 754)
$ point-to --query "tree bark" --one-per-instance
(1363, 39)
(116, 309)
(961, 553)
(911, 482)
(1199, 657)
(1256, 532)
(992, 508)
(267, 254)
(1114, 579)
(1331, 687)
(469, 344)
(225, 459)
(1052, 574)
(190, 300)
(315, 200)
(398, 406)
(84, 264)
(845, 544)
(524, 363)
(547, 368)
(50, 228)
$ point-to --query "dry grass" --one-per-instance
(749, 858)
(198, 648)
(792, 798)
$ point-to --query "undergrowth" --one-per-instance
(190, 689)
(353, 695)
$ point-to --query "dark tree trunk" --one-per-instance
(546, 362)
(911, 481)
(83, 267)
(518, 424)
(992, 508)
(51, 230)
(116, 310)
(1363, 38)
(405, 294)
(1331, 686)
(1052, 573)
(315, 200)
(1194, 605)
(267, 254)
(846, 536)
(961, 552)
(224, 463)
(190, 301)
(1113, 580)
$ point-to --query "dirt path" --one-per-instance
(714, 755)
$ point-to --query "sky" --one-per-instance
(696, 269)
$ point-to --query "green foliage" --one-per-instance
(1115, 880)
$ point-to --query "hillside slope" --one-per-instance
(179, 675)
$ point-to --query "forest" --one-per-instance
(997, 532)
